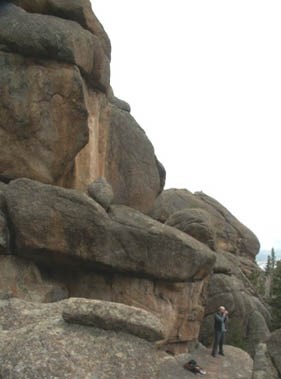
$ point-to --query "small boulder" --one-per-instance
(101, 191)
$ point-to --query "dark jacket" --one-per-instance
(220, 322)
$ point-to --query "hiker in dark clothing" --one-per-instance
(219, 329)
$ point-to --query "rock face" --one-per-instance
(54, 60)
(205, 219)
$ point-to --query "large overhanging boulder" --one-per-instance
(230, 234)
(51, 224)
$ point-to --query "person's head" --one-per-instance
(221, 309)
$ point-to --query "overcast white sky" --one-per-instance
(203, 79)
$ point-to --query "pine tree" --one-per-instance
(275, 301)
(269, 272)
(268, 266)
(273, 259)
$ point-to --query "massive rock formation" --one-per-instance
(102, 273)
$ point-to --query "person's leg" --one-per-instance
(221, 341)
(216, 343)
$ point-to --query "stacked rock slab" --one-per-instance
(230, 284)
(60, 122)
(120, 255)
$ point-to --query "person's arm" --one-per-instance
(219, 318)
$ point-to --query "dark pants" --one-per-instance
(218, 342)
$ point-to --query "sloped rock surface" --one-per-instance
(44, 218)
(48, 347)
(113, 316)
(219, 368)
(17, 313)
(39, 344)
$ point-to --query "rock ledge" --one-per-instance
(109, 315)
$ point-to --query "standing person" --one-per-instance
(219, 330)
